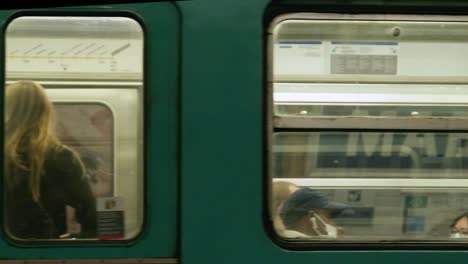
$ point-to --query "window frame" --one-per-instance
(117, 84)
(274, 124)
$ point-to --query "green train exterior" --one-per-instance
(205, 185)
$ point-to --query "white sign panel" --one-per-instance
(299, 58)
(350, 57)
(70, 55)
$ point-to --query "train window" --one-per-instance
(73, 125)
(367, 121)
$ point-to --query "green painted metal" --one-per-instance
(161, 22)
(221, 149)
(381, 3)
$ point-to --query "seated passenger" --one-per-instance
(42, 175)
(281, 191)
(307, 213)
(460, 226)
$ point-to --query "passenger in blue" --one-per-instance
(42, 175)
(308, 213)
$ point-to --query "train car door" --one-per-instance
(111, 74)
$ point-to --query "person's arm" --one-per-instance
(79, 195)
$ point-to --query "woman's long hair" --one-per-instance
(28, 139)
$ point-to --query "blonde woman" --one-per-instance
(42, 176)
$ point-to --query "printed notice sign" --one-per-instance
(351, 57)
(110, 218)
(299, 58)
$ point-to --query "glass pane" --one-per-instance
(369, 186)
(74, 134)
(396, 100)
(74, 47)
(369, 68)
(371, 214)
(370, 155)
(88, 128)
(389, 185)
(382, 49)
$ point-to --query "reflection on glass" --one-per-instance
(368, 186)
(334, 166)
(370, 155)
(374, 214)
(383, 100)
(88, 128)
(371, 110)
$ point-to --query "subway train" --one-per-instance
(188, 115)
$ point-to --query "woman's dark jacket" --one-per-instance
(63, 183)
